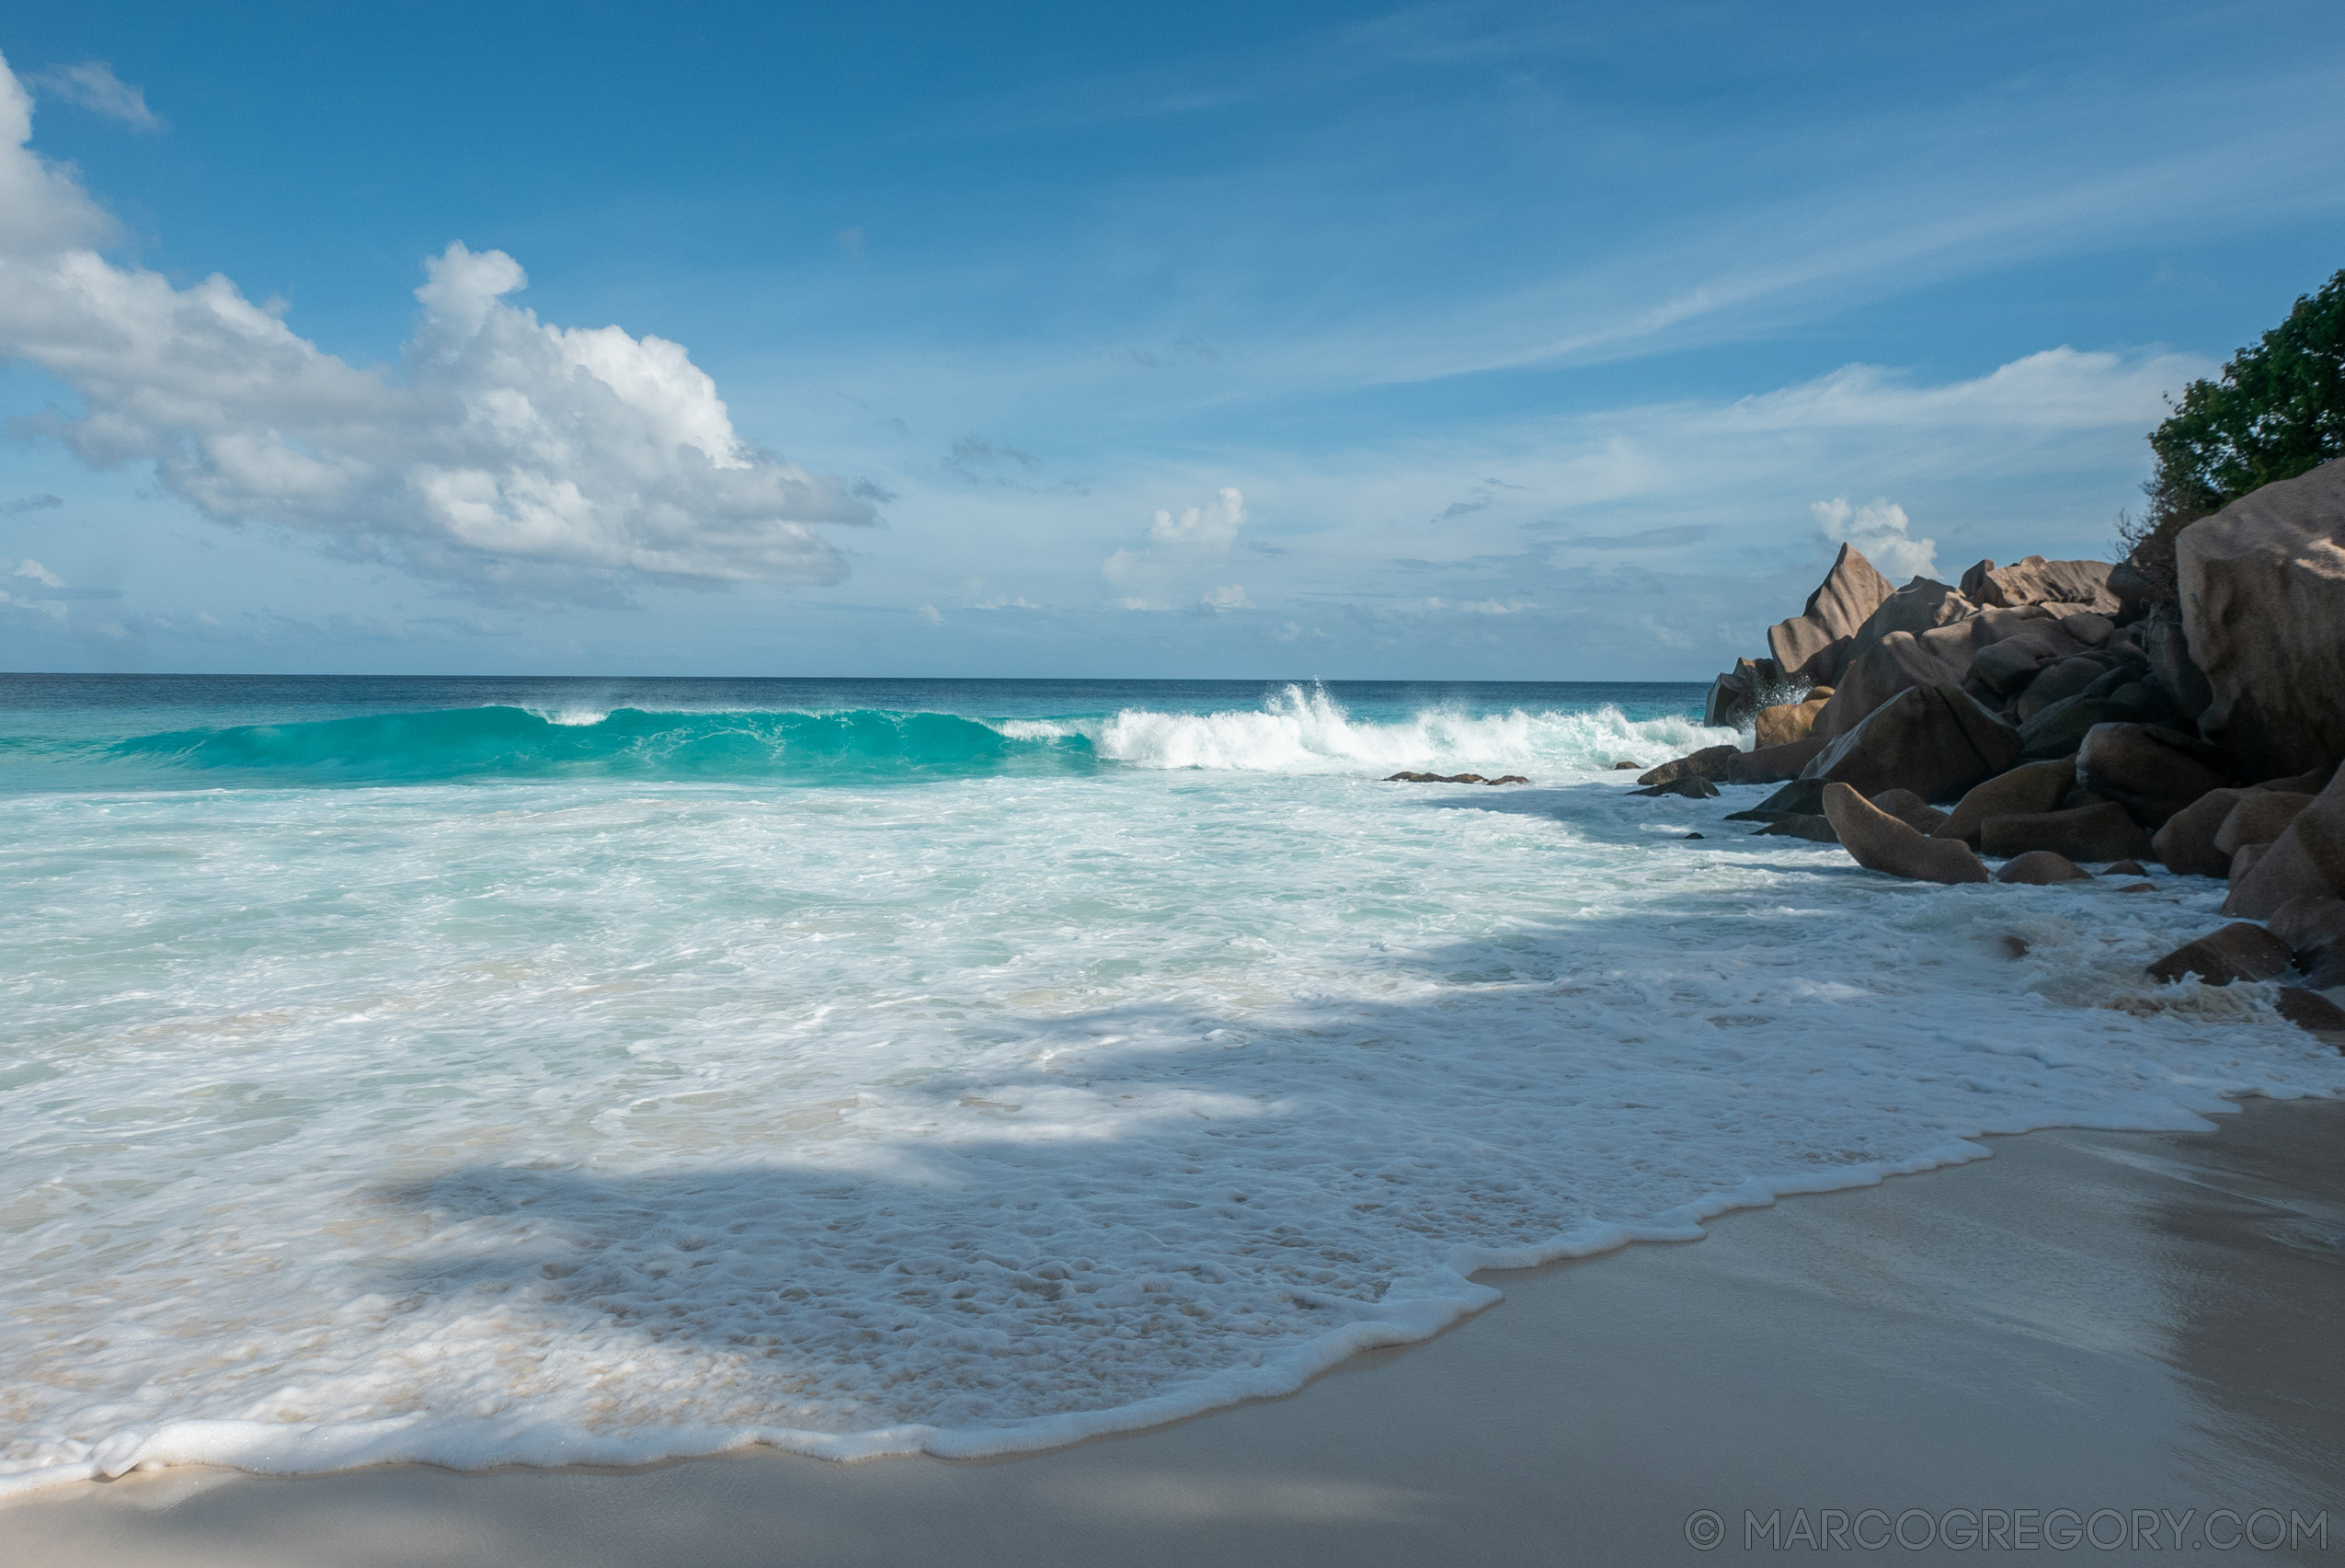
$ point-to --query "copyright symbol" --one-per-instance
(1704, 1530)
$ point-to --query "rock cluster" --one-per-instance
(1457, 778)
(2064, 715)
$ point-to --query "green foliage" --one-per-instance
(2277, 411)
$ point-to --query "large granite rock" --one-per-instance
(1801, 798)
(2187, 841)
(2238, 952)
(2171, 666)
(2083, 584)
(2260, 816)
(1813, 646)
(1742, 691)
(2120, 696)
(1702, 762)
(2153, 771)
(2263, 609)
(2067, 679)
(1881, 843)
(2308, 858)
(1922, 605)
(1911, 810)
(2309, 924)
(1768, 764)
(1939, 655)
(1782, 724)
(1934, 740)
(2026, 791)
(2100, 832)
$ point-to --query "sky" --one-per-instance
(1338, 341)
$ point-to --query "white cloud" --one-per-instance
(1231, 598)
(931, 615)
(1211, 527)
(510, 455)
(1125, 603)
(1176, 544)
(38, 573)
(94, 85)
(1881, 530)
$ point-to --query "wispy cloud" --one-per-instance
(93, 85)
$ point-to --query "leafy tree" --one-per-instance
(2278, 411)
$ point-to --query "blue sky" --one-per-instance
(1447, 342)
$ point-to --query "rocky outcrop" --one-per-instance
(2083, 584)
(2041, 868)
(1459, 778)
(1812, 646)
(1818, 829)
(1936, 741)
(2262, 586)
(1879, 842)
(2026, 791)
(2100, 832)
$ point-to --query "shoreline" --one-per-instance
(1896, 1279)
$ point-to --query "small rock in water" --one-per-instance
(1693, 835)
(2015, 946)
(2124, 868)
(1691, 786)
(1818, 829)
(1453, 778)
(2139, 887)
(1624, 762)
(2041, 868)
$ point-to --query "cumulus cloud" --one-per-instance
(1882, 531)
(93, 84)
(509, 455)
(1212, 527)
(39, 574)
(1231, 598)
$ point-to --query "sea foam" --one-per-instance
(645, 1109)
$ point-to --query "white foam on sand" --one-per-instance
(609, 1122)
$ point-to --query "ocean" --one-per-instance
(482, 1072)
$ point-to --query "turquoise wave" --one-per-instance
(513, 743)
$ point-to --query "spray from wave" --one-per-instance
(1296, 730)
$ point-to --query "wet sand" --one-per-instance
(2086, 1321)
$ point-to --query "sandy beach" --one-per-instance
(2089, 1322)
